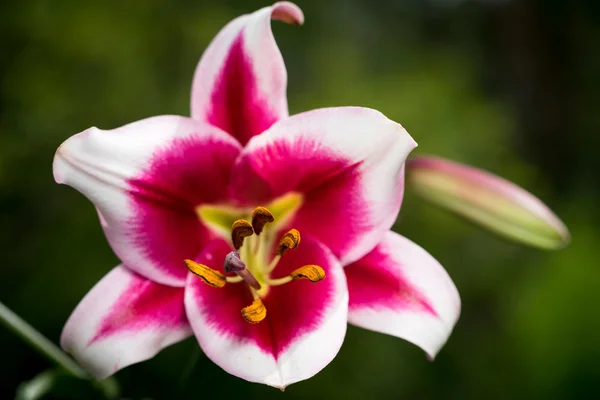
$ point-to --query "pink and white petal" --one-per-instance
(240, 82)
(401, 290)
(347, 162)
(146, 179)
(303, 331)
(123, 320)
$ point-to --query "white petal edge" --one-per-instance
(106, 356)
(425, 274)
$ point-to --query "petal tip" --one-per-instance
(64, 342)
(57, 170)
(59, 167)
(412, 142)
(287, 12)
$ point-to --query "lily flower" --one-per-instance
(487, 200)
(263, 234)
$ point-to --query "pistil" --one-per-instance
(233, 263)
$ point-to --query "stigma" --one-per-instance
(251, 264)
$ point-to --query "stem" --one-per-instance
(187, 371)
(39, 342)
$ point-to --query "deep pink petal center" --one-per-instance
(236, 105)
(141, 306)
(293, 309)
(334, 208)
(180, 177)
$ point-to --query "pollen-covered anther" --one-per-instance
(208, 275)
(239, 230)
(260, 217)
(289, 241)
(313, 273)
(255, 312)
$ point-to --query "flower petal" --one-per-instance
(488, 200)
(146, 180)
(240, 82)
(346, 162)
(302, 332)
(123, 320)
(401, 290)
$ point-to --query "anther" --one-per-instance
(233, 263)
(313, 273)
(208, 275)
(255, 312)
(289, 241)
(260, 217)
(239, 230)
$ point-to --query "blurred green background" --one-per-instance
(510, 86)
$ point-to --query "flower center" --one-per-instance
(251, 263)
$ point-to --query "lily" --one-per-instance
(260, 233)
(487, 200)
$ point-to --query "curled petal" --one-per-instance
(123, 320)
(347, 165)
(147, 180)
(488, 200)
(240, 82)
(302, 331)
(401, 290)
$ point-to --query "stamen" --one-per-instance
(313, 273)
(208, 275)
(289, 241)
(233, 263)
(260, 217)
(239, 230)
(255, 312)
(273, 263)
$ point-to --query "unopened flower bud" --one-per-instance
(488, 200)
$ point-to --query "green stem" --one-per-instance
(187, 371)
(40, 342)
